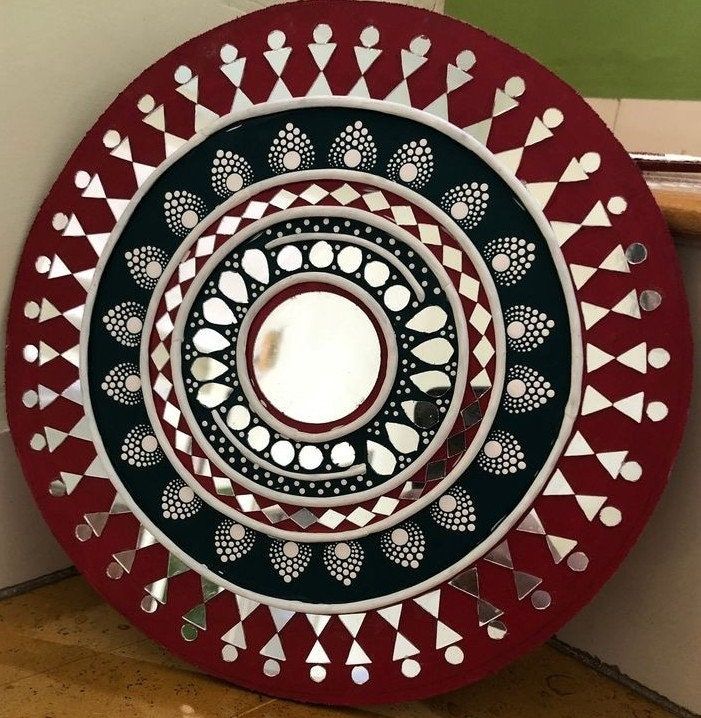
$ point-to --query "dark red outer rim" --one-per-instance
(571, 103)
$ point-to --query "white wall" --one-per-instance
(61, 64)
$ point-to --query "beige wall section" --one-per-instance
(62, 63)
(27, 548)
(661, 126)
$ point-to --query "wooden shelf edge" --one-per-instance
(675, 182)
(680, 202)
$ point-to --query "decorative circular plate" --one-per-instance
(348, 354)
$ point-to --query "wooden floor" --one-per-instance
(66, 654)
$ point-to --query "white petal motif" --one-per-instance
(428, 320)
(255, 264)
(217, 311)
(213, 394)
(380, 458)
(206, 368)
(208, 340)
(404, 439)
(231, 285)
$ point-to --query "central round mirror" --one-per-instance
(317, 357)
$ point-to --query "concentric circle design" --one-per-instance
(347, 356)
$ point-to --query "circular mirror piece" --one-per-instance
(316, 356)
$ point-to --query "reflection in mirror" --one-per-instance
(433, 383)
(423, 413)
(380, 458)
(316, 357)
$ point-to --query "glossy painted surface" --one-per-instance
(523, 587)
(652, 645)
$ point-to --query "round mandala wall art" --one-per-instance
(348, 354)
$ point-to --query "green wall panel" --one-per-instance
(604, 48)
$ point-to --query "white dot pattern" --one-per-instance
(124, 323)
(354, 148)
(526, 328)
(291, 150)
(230, 173)
(232, 541)
(122, 384)
(183, 210)
(146, 264)
(412, 164)
(344, 568)
(501, 454)
(467, 203)
(178, 501)
(455, 511)
(510, 259)
(140, 448)
(526, 390)
(289, 567)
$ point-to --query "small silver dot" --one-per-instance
(578, 561)
(636, 253)
(541, 600)
(650, 300)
